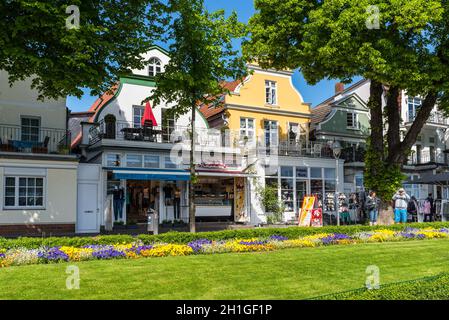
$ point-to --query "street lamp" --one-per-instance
(336, 149)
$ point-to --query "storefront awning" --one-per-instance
(148, 174)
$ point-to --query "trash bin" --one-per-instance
(153, 221)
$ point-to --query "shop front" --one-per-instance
(135, 191)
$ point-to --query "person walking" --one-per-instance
(412, 209)
(400, 199)
(428, 209)
(372, 207)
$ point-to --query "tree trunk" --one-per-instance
(376, 121)
(192, 174)
(393, 119)
(399, 154)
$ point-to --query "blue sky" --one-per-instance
(245, 9)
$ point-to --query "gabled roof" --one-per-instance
(346, 90)
(211, 109)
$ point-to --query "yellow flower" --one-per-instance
(167, 250)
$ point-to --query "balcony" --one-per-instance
(436, 118)
(426, 157)
(353, 154)
(299, 149)
(35, 140)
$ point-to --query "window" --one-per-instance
(154, 67)
(24, 192)
(414, 103)
(287, 193)
(286, 171)
(169, 164)
(151, 161)
(352, 120)
(113, 160)
(315, 172)
(329, 173)
(293, 132)
(271, 133)
(270, 92)
(358, 181)
(247, 129)
(30, 129)
(301, 172)
(137, 116)
(134, 160)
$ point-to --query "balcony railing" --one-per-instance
(426, 157)
(353, 154)
(436, 117)
(34, 140)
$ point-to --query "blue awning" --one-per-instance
(166, 175)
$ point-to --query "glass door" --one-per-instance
(271, 133)
(301, 192)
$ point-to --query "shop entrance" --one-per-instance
(140, 196)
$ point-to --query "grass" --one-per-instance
(428, 288)
(284, 274)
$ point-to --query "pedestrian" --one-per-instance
(400, 199)
(428, 208)
(412, 209)
(372, 207)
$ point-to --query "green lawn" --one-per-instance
(284, 274)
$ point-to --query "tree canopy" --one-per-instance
(397, 44)
(112, 35)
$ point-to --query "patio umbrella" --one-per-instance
(148, 115)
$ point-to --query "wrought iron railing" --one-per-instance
(35, 140)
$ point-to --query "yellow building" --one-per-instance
(266, 108)
(265, 105)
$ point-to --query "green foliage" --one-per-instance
(382, 177)
(428, 288)
(273, 206)
(185, 237)
(112, 35)
(201, 55)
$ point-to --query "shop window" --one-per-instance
(287, 193)
(315, 172)
(169, 164)
(329, 173)
(113, 160)
(301, 172)
(286, 171)
(151, 161)
(316, 188)
(24, 192)
(214, 192)
(134, 160)
(301, 192)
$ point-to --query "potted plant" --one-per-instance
(62, 149)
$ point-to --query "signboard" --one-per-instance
(317, 217)
(305, 215)
(239, 200)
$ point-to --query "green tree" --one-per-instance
(201, 57)
(112, 35)
(397, 44)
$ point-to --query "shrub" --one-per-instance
(175, 237)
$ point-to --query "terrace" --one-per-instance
(38, 140)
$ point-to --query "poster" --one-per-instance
(239, 200)
(316, 217)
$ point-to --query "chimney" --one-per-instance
(339, 87)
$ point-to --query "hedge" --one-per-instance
(185, 237)
(428, 288)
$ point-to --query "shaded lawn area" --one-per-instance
(285, 274)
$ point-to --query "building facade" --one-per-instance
(38, 174)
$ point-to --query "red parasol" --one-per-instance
(148, 115)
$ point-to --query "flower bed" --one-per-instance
(137, 249)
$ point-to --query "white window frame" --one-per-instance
(152, 155)
(134, 154)
(246, 130)
(16, 193)
(142, 110)
(354, 119)
(113, 154)
(413, 105)
(272, 133)
(154, 66)
(39, 127)
(271, 92)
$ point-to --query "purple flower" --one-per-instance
(108, 253)
(2, 255)
(445, 230)
(197, 245)
(253, 243)
(407, 235)
(332, 238)
(138, 249)
(53, 254)
(278, 238)
(420, 236)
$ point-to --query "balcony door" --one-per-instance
(271, 133)
(30, 129)
(168, 124)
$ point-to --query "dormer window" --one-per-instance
(154, 67)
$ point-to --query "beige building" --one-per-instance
(38, 175)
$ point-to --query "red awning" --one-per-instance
(148, 115)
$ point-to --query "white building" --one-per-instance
(38, 175)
